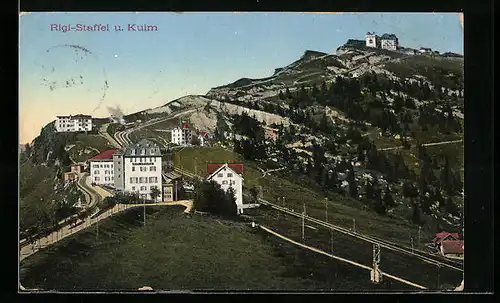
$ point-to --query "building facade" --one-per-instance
(138, 169)
(389, 42)
(182, 136)
(77, 123)
(372, 40)
(229, 176)
(102, 168)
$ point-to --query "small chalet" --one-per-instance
(171, 186)
(77, 168)
(203, 138)
(443, 236)
(452, 248)
(270, 133)
(228, 176)
(69, 176)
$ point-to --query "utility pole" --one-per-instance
(283, 202)
(331, 240)
(303, 224)
(97, 227)
(418, 235)
(326, 210)
(144, 201)
(411, 240)
(354, 225)
(375, 274)
(278, 209)
(438, 282)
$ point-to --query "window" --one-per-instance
(143, 187)
(132, 179)
(219, 175)
(151, 180)
(102, 166)
(96, 172)
(133, 168)
(152, 168)
(97, 179)
(224, 182)
(133, 188)
(229, 175)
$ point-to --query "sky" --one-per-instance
(86, 72)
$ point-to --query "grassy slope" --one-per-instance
(176, 252)
(88, 146)
(341, 211)
(151, 131)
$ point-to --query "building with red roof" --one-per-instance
(228, 175)
(442, 236)
(452, 248)
(102, 168)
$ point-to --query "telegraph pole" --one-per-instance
(303, 224)
(375, 275)
(278, 209)
(144, 201)
(331, 240)
(354, 225)
(326, 210)
(418, 237)
(438, 282)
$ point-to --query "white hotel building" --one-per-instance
(182, 136)
(137, 168)
(77, 123)
(102, 168)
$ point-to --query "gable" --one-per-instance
(226, 169)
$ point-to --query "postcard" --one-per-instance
(249, 152)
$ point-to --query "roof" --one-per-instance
(453, 247)
(443, 235)
(105, 155)
(150, 148)
(75, 116)
(213, 168)
(389, 37)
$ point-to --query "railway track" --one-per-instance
(369, 239)
(383, 243)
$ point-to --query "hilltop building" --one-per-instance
(229, 176)
(386, 41)
(182, 136)
(77, 123)
(372, 40)
(389, 41)
(102, 168)
(425, 50)
(138, 168)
